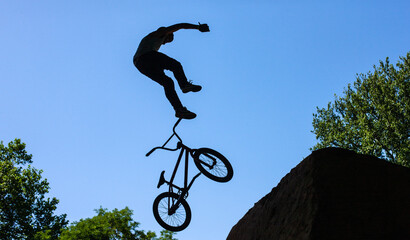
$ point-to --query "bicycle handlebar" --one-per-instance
(152, 150)
(163, 146)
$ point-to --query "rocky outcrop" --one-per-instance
(333, 194)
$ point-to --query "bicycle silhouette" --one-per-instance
(171, 209)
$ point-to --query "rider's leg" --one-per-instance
(176, 67)
(148, 67)
(173, 65)
(170, 92)
(172, 96)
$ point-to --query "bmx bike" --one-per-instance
(170, 208)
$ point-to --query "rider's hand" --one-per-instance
(203, 27)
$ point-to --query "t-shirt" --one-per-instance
(149, 43)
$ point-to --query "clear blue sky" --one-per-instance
(69, 90)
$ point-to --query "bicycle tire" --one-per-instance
(177, 221)
(213, 164)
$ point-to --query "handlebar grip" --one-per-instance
(149, 153)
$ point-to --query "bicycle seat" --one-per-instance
(161, 179)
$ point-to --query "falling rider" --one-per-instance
(152, 63)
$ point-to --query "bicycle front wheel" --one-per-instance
(213, 164)
(170, 214)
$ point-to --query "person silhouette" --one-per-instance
(152, 64)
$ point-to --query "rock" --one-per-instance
(333, 194)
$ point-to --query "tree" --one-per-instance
(25, 212)
(117, 224)
(373, 116)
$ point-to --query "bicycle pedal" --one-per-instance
(161, 179)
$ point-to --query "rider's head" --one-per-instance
(169, 37)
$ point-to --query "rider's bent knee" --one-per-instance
(176, 65)
(168, 83)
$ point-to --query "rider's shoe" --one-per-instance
(189, 87)
(184, 113)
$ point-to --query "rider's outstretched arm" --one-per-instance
(179, 26)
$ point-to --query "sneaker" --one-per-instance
(189, 87)
(184, 113)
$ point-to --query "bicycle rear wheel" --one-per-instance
(213, 164)
(172, 221)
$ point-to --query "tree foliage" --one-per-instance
(373, 116)
(117, 224)
(25, 212)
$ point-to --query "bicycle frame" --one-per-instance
(182, 192)
(185, 189)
